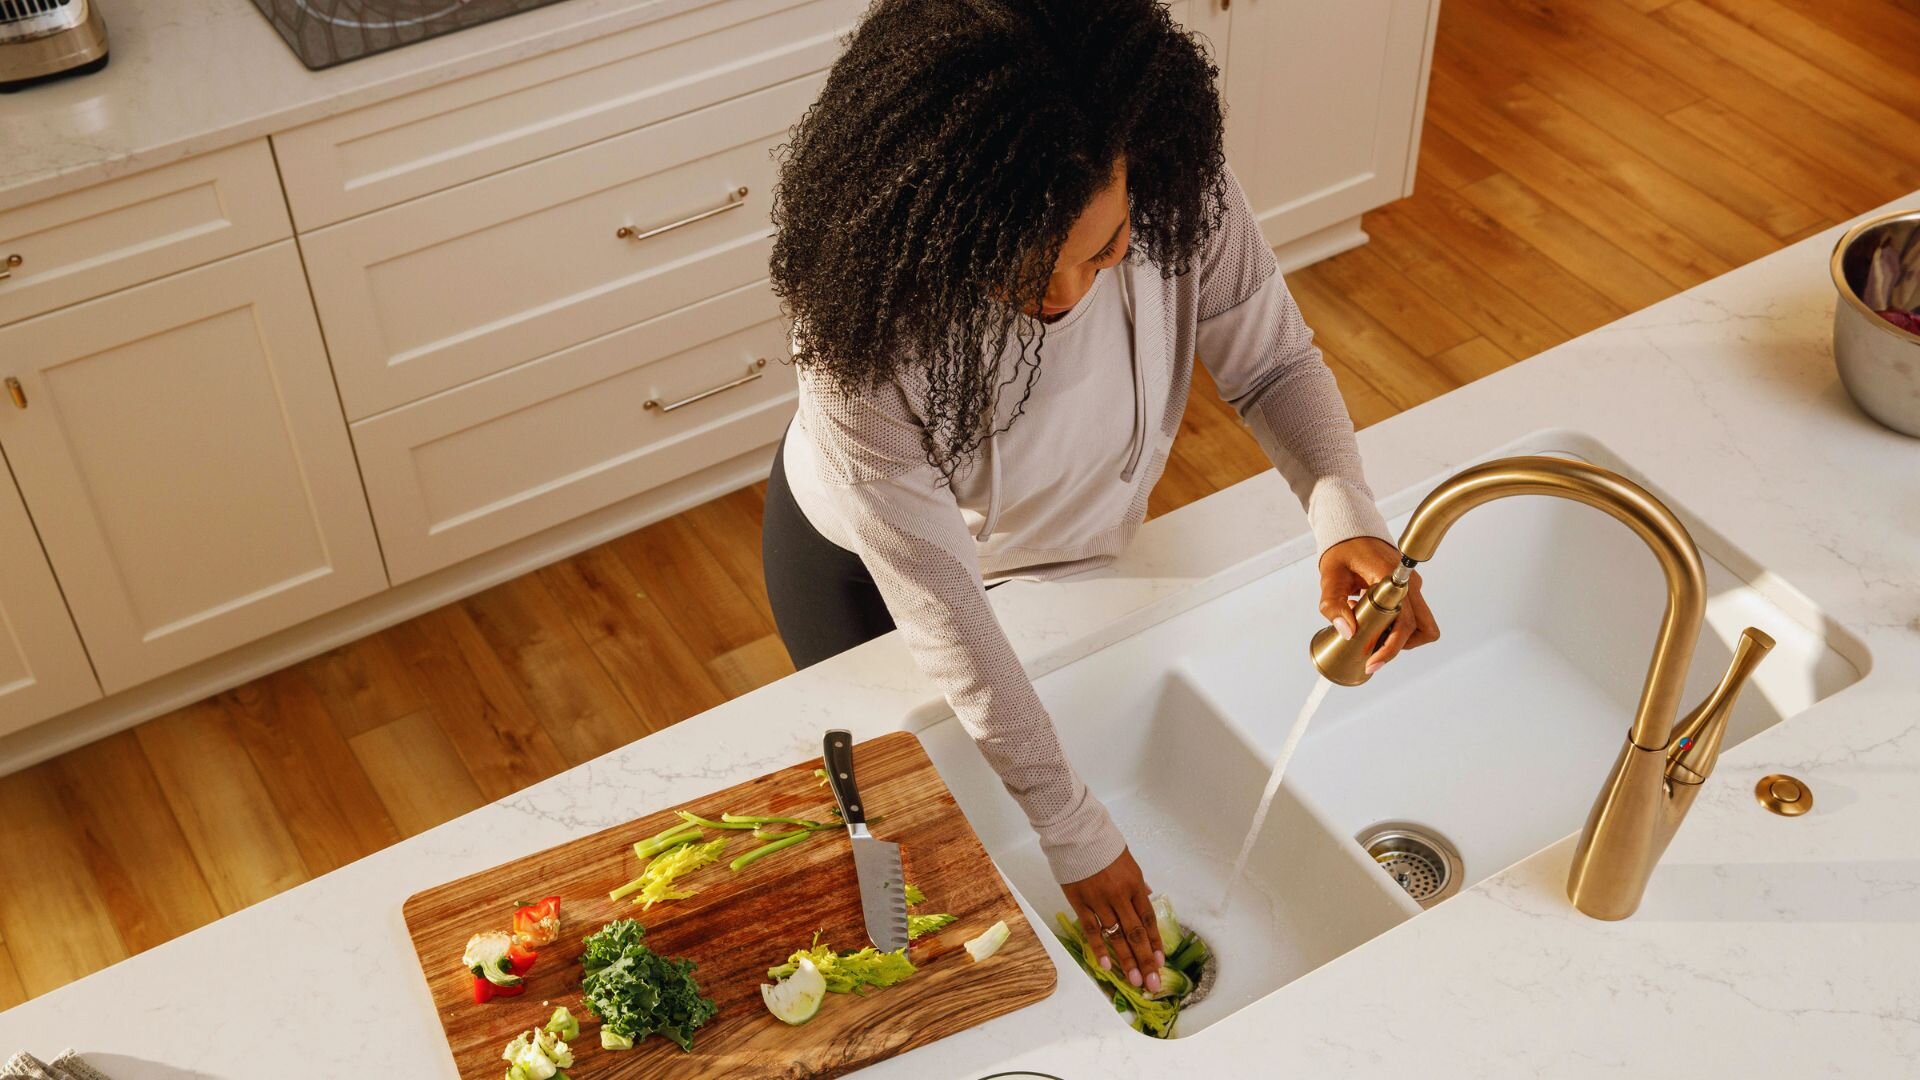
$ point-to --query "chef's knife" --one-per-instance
(883, 887)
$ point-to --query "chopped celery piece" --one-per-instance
(656, 881)
(707, 823)
(654, 845)
(848, 973)
(767, 849)
(919, 925)
(739, 820)
(1172, 934)
(989, 943)
(1151, 1016)
(1191, 954)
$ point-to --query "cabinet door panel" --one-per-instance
(185, 458)
(43, 669)
(501, 458)
(1322, 103)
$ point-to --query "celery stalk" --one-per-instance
(647, 849)
(738, 820)
(708, 823)
(768, 849)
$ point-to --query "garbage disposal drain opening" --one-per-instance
(1416, 858)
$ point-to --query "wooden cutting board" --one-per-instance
(740, 923)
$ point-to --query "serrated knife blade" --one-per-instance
(883, 885)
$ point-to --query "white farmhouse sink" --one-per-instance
(1497, 737)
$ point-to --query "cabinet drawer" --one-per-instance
(93, 241)
(437, 138)
(426, 296)
(505, 457)
(184, 458)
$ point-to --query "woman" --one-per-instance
(1005, 230)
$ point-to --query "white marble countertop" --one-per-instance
(1785, 945)
(190, 76)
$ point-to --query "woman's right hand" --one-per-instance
(1117, 897)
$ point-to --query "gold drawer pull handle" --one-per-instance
(7, 265)
(15, 392)
(735, 200)
(754, 371)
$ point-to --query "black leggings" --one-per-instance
(824, 601)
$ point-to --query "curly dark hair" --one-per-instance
(924, 198)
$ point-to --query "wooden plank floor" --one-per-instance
(1581, 159)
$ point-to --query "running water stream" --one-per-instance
(1300, 722)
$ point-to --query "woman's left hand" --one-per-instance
(1347, 569)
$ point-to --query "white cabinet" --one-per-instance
(434, 139)
(464, 472)
(187, 465)
(87, 243)
(1323, 107)
(433, 293)
(43, 669)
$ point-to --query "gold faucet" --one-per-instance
(1663, 763)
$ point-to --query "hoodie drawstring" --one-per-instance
(1139, 443)
(993, 491)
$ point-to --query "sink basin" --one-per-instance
(1496, 738)
(1182, 783)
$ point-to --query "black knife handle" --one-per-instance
(837, 751)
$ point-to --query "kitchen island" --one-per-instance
(1790, 945)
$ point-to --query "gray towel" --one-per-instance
(67, 1066)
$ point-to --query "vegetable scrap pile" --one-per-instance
(636, 992)
(540, 1053)
(849, 973)
(1186, 977)
(1893, 278)
(672, 853)
(810, 974)
(537, 1055)
(499, 961)
(663, 864)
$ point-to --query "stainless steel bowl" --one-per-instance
(1879, 362)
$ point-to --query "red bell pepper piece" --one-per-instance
(537, 923)
(484, 991)
(521, 959)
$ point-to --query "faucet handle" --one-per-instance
(1694, 745)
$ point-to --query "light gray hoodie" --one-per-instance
(1063, 489)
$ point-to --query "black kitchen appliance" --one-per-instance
(328, 32)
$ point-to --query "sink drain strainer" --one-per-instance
(1418, 859)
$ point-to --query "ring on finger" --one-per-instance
(1110, 931)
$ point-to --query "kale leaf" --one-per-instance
(636, 992)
